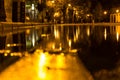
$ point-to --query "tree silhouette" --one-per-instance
(2, 11)
(98, 12)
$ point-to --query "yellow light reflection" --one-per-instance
(46, 53)
(60, 48)
(5, 54)
(117, 36)
(77, 33)
(53, 46)
(105, 33)
(28, 31)
(88, 31)
(42, 74)
(56, 34)
(75, 39)
(43, 35)
(42, 60)
(5, 51)
(73, 50)
(60, 61)
(41, 67)
(117, 32)
(69, 43)
(76, 36)
(33, 41)
(62, 54)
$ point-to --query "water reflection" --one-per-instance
(117, 32)
(97, 41)
(98, 47)
(61, 37)
(105, 33)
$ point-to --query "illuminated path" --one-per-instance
(44, 66)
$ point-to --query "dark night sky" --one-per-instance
(108, 3)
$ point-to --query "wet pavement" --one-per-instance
(44, 66)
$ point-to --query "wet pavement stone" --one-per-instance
(44, 66)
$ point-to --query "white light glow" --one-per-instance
(117, 36)
(105, 33)
(33, 7)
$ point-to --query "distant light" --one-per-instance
(117, 10)
(33, 7)
(8, 45)
(5, 54)
(11, 54)
(53, 1)
(88, 15)
(76, 13)
(57, 14)
(105, 12)
(69, 5)
(28, 31)
(27, 18)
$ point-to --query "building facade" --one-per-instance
(20, 10)
(115, 18)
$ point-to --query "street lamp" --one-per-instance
(69, 5)
(53, 2)
(105, 15)
(88, 15)
(105, 12)
(117, 10)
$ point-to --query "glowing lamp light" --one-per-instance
(105, 12)
(69, 5)
(117, 10)
(33, 7)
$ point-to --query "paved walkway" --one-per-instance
(44, 66)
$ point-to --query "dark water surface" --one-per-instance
(97, 46)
